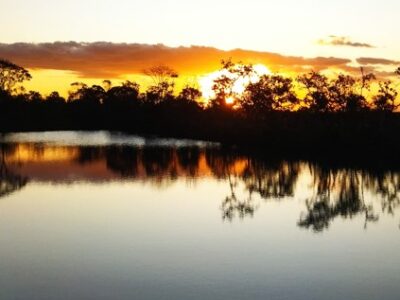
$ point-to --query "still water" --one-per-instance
(110, 216)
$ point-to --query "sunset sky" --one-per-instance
(90, 40)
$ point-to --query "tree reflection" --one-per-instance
(9, 182)
(271, 180)
(233, 206)
(333, 191)
(88, 155)
(387, 186)
(189, 160)
(267, 179)
(123, 160)
(337, 193)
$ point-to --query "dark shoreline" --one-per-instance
(361, 140)
(361, 134)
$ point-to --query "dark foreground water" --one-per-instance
(101, 216)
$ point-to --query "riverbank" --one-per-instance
(362, 133)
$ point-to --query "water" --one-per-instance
(111, 216)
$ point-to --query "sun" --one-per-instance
(230, 100)
(206, 82)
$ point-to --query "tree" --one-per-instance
(189, 93)
(127, 92)
(107, 85)
(163, 78)
(317, 97)
(365, 83)
(55, 97)
(34, 97)
(11, 75)
(344, 95)
(271, 92)
(157, 93)
(226, 85)
(385, 100)
(89, 95)
(160, 73)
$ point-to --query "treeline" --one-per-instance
(310, 111)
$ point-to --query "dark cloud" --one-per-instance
(343, 41)
(111, 60)
(376, 61)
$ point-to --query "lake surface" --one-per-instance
(111, 216)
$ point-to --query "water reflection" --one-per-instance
(328, 191)
(9, 182)
(337, 193)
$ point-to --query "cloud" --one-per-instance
(342, 41)
(112, 60)
(376, 61)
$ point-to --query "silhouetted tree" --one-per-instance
(157, 93)
(163, 78)
(33, 96)
(343, 93)
(269, 93)
(365, 82)
(127, 92)
(317, 86)
(224, 86)
(189, 93)
(160, 74)
(385, 100)
(262, 110)
(11, 75)
(55, 98)
(94, 94)
(107, 84)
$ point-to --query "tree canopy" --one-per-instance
(11, 75)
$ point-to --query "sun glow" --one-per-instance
(230, 100)
(207, 82)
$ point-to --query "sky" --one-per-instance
(345, 29)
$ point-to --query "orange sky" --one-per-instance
(55, 65)
(286, 36)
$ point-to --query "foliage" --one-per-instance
(270, 93)
(163, 78)
(224, 86)
(385, 100)
(11, 75)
